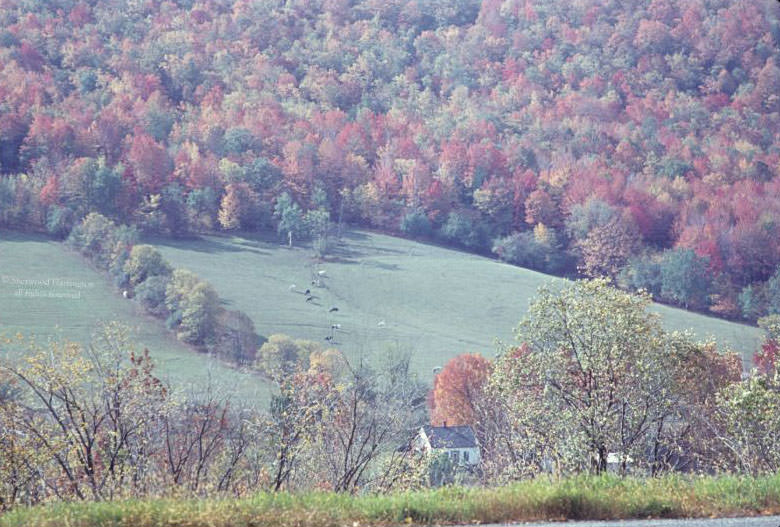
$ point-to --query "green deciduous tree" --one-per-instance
(751, 302)
(173, 206)
(642, 272)
(295, 409)
(100, 240)
(750, 413)
(463, 230)
(772, 292)
(585, 217)
(685, 278)
(592, 348)
(280, 356)
(598, 375)
(193, 305)
(151, 294)
(202, 205)
(145, 262)
(291, 219)
(59, 221)
(416, 223)
(537, 250)
(236, 338)
(318, 227)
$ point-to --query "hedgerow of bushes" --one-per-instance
(189, 305)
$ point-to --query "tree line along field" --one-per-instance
(391, 294)
(70, 300)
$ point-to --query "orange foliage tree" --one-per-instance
(456, 389)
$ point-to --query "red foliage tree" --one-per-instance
(50, 192)
(150, 162)
(766, 358)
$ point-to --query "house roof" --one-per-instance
(450, 436)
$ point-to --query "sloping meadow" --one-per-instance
(48, 291)
(391, 294)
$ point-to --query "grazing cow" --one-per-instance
(307, 292)
(309, 298)
(334, 308)
(335, 326)
(380, 324)
(321, 272)
(329, 338)
(126, 293)
(292, 287)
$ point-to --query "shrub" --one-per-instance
(145, 261)
(318, 227)
(524, 249)
(124, 239)
(291, 219)
(416, 223)
(174, 208)
(772, 291)
(59, 221)
(685, 278)
(236, 339)
(100, 240)
(462, 230)
(751, 302)
(202, 206)
(441, 471)
(193, 305)
(93, 238)
(151, 294)
(642, 272)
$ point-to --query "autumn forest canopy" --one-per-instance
(637, 140)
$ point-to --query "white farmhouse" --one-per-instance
(458, 442)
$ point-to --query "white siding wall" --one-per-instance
(472, 454)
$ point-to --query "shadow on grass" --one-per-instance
(22, 237)
(210, 245)
(350, 253)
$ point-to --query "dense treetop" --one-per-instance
(635, 139)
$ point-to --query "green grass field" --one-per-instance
(577, 498)
(390, 293)
(49, 308)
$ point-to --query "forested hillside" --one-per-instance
(638, 140)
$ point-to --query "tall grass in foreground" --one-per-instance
(605, 497)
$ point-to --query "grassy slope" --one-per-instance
(26, 256)
(434, 301)
(578, 498)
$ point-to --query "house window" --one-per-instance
(454, 455)
(465, 456)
